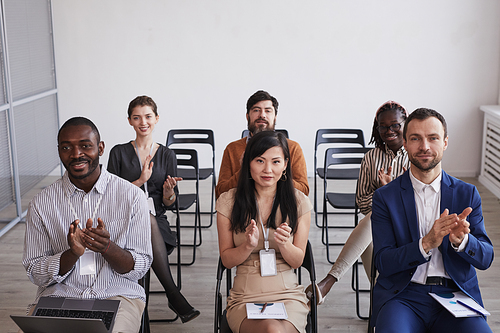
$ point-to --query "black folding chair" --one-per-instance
(220, 320)
(338, 137)
(187, 159)
(146, 279)
(180, 138)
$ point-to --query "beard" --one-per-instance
(93, 164)
(254, 129)
(428, 166)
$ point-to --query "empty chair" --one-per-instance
(340, 164)
(180, 138)
(334, 137)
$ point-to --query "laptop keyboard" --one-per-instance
(105, 316)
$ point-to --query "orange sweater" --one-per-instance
(231, 165)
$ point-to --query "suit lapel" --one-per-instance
(446, 194)
(408, 199)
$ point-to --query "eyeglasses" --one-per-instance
(393, 127)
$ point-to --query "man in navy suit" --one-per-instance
(428, 236)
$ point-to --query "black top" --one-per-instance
(124, 162)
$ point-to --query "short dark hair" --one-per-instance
(387, 106)
(260, 96)
(80, 121)
(245, 207)
(422, 114)
(142, 101)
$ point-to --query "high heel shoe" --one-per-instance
(193, 313)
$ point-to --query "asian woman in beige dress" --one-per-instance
(265, 205)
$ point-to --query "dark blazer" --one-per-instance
(396, 237)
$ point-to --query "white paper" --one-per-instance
(272, 311)
(451, 302)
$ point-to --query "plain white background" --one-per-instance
(330, 63)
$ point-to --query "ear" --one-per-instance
(445, 143)
(157, 118)
(286, 164)
(247, 116)
(129, 121)
(101, 148)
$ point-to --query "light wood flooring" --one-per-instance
(337, 314)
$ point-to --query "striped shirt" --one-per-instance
(368, 181)
(124, 211)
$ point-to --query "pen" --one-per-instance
(263, 308)
(469, 307)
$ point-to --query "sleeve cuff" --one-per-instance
(462, 245)
(426, 256)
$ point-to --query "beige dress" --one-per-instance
(250, 287)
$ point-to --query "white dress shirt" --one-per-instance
(122, 207)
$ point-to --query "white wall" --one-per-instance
(330, 63)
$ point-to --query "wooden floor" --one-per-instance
(337, 314)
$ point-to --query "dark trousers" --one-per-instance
(415, 311)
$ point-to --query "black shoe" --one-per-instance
(193, 313)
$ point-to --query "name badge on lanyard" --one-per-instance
(87, 261)
(151, 204)
(267, 256)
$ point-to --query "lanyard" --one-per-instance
(140, 164)
(265, 232)
(93, 214)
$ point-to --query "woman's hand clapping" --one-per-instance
(282, 234)
(252, 234)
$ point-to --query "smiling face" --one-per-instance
(261, 117)
(425, 144)
(393, 138)
(79, 151)
(143, 120)
(266, 170)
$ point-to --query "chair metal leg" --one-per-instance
(211, 212)
(355, 272)
(146, 318)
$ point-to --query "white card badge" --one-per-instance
(87, 263)
(151, 206)
(268, 262)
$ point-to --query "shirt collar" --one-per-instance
(100, 186)
(401, 151)
(418, 186)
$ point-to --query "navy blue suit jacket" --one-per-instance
(396, 238)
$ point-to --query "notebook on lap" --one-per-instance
(59, 314)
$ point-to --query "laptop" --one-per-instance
(62, 315)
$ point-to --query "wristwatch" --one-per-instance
(171, 197)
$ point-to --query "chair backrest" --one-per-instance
(284, 131)
(187, 158)
(348, 158)
(199, 136)
(339, 135)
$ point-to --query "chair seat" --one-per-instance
(351, 173)
(190, 174)
(341, 200)
(186, 200)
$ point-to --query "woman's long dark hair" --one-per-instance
(245, 203)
